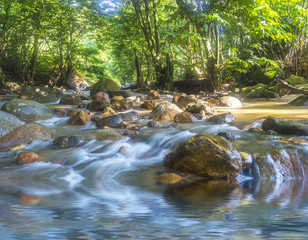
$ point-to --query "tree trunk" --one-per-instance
(138, 63)
(33, 62)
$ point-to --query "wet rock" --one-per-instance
(25, 134)
(21, 146)
(285, 127)
(40, 94)
(206, 155)
(200, 107)
(27, 110)
(110, 121)
(255, 129)
(104, 135)
(270, 132)
(123, 125)
(229, 135)
(124, 150)
(124, 104)
(176, 98)
(185, 117)
(184, 100)
(278, 164)
(108, 111)
(80, 118)
(153, 95)
(8, 123)
(165, 111)
(300, 101)
(28, 157)
(104, 85)
(70, 100)
(117, 98)
(98, 105)
(77, 81)
(221, 118)
(149, 104)
(230, 101)
(122, 93)
(130, 116)
(102, 96)
(246, 163)
(67, 141)
(153, 123)
(169, 178)
(267, 75)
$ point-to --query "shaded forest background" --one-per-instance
(144, 42)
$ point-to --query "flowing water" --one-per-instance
(108, 189)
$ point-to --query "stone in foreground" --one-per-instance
(206, 155)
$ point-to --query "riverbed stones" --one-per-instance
(102, 96)
(28, 157)
(183, 100)
(185, 117)
(70, 100)
(221, 118)
(98, 105)
(80, 118)
(25, 134)
(230, 101)
(153, 123)
(206, 155)
(67, 141)
(104, 85)
(149, 104)
(40, 94)
(109, 121)
(165, 111)
(27, 110)
(285, 127)
(8, 122)
(300, 101)
(200, 107)
(130, 116)
(153, 95)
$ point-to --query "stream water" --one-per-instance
(97, 191)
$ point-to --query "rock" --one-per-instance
(122, 93)
(229, 135)
(184, 100)
(80, 118)
(200, 106)
(28, 157)
(221, 118)
(285, 127)
(25, 134)
(165, 111)
(108, 111)
(110, 121)
(21, 146)
(255, 129)
(40, 94)
(104, 85)
(12, 87)
(27, 110)
(278, 164)
(206, 155)
(270, 132)
(117, 98)
(169, 178)
(124, 104)
(230, 101)
(296, 80)
(153, 123)
(149, 104)
(258, 91)
(77, 81)
(70, 100)
(153, 95)
(130, 116)
(67, 141)
(176, 98)
(104, 135)
(98, 105)
(267, 75)
(102, 96)
(246, 163)
(300, 101)
(8, 123)
(185, 117)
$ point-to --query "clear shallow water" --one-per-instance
(99, 191)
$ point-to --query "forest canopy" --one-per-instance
(143, 42)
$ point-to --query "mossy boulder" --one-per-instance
(296, 80)
(103, 85)
(285, 127)
(267, 75)
(25, 134)
(206, 155)
(165, 111)
(8, 123)
(70, 100)
(40, 94)
(300, 101)
(27, 110)
(258, 91)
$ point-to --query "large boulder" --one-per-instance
(103, 85)
(165, 111)
(221, 118)
(25, 134)
(102, 96)
(110, 121)
(182, 101)
(8, 123)
(206, 155)
(296, 80)
(300, 101)
(267, 75)
(185, 117)
(27, 110)
(70, 100)
(258, 91)
(201, 107)
(285, 127)
(41, 94)
(230, 101)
